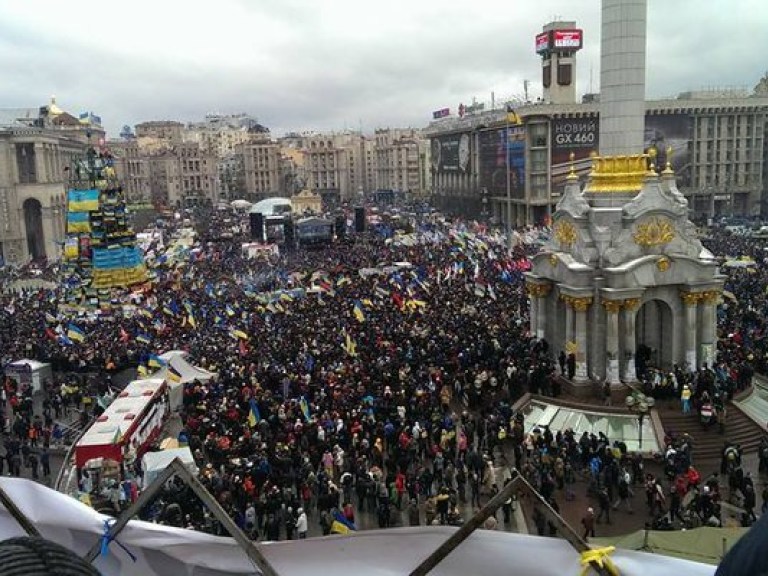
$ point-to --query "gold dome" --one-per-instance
(53, 109)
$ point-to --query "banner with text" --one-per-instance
(577, 136)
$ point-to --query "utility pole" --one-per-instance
(525, 89)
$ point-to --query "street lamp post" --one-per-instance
(641, 404)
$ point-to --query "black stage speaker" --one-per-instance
(340, 227)
(289, 231)
(359, 219)
(257, 226)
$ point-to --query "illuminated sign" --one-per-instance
(566, 39)
(542, 43)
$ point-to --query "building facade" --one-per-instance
(716, 142)
(262, 169)
(133, 170)
(37, 148)
(167, 130)
(400, 161)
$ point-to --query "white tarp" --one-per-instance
(153, 463)
(161, 550)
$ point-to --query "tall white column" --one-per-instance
(580, 306)
(541, 310)
(707, 327)
(622, 76)
(690, 303)
(568, 320)
(538, 294)
(629, 310)
(534, 314)
(612, 308)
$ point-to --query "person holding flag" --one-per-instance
(254, 416)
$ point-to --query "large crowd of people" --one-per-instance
(370, 377)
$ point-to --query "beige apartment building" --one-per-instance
(262, 169)
(167, 130)
(400, 160)
(133, 170)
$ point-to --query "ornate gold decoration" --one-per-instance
(668, 167)
(565, 233)
(538, 290)
(572, 171)
(581, 304)
(617, 173)
(571, 347)
(631, 304)
(710, 297)
(663, 264)
(553, 260)
(612, 306)
(690, 298)
(654, 232)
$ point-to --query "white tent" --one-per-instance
(272, 206)
(189, 373)
(153, 463)
(165, 550)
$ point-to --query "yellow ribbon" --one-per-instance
(598, 557)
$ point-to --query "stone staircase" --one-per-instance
(708, 444)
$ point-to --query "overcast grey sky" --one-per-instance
(334, 64)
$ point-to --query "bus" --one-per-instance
(127, 427)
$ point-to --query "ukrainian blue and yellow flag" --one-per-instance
(304, 405)
(350, 346)
(254, 417)
(173, 374)
(83, 200)
(155, 361)
(78, 222)
(142, 338)
(341, 525)
(75, 334)
(357, 310)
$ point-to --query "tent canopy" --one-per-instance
(707, 545)
(166, 550)
(189, 373)
(153, 463)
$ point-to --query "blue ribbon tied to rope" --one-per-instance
(106, 538)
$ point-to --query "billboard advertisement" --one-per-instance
(492, 165)
(442, 113)
(567, 39)
(579, 136)
(671, 133)
(542, 43)
(451, 153)
(516, 154)
(664, 133)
